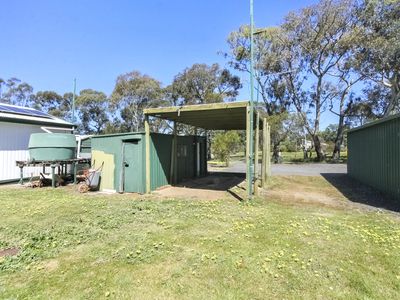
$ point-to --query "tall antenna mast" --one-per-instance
(73, 103)
(250, 167)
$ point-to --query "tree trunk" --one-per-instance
(338, 139)
(318, 148)
(208, 141)
(275, 153)
(394, 99)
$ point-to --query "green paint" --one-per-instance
(373, 155)
(132, 167)
(250, 154)
(86, 145)
(51, 146)
(130, 148)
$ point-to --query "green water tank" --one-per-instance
(52, 146)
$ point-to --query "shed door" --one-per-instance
(131, 164)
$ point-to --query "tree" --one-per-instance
(377, 50)
(267, 69)
(283, 126)
(2, 83)
(54, 104)
(201, 84)
(224, 144)
(16, 92)
(267, 63)
(132, 93)
(329, 134)
(93, 107)
(316, 49)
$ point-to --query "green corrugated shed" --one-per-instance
(374, 155)
(124, 160)
(86, 145)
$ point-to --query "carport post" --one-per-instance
(176, 153)
(268, 169)
(173, 156)
(257, 144)
(248, 153)
(147, 140)
(264, 155)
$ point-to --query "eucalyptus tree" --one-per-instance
(317, 47)
(54, 104)
(16, 92)
(92, 107)
(132, 93)
(268, 68)
(202, 84)
(377, 52)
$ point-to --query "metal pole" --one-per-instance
(73, 102)
(250, 165)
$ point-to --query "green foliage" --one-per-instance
(201, 84)
(54, 104)
(377, 53)
(225, 144)
(329, 134)
(267, 64)
(132, 93)
(93, 107)
(14, 91)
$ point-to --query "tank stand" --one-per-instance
(53, 176)
(21, 174)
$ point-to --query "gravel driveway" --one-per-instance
(309, 169)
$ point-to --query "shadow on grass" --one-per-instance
(356, 191)
(216, 181)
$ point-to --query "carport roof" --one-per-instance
(215, 116)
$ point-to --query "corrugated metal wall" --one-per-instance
(14, 139)
(86, 145)
(160, 158)
(374, 155)
(108, 149)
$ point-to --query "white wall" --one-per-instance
(14, 140)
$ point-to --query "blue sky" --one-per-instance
(47, 43)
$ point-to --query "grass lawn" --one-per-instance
(298, 157)
(75, 246)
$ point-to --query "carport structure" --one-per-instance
(217, 116)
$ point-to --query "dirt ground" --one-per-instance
(329, 189)
(212, 187)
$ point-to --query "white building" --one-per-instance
(16, 125)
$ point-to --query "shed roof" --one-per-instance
(374, 123)
(25, 115)
(215, 116)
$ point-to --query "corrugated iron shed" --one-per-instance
(124, 164)
(374, 155)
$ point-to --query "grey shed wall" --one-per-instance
(374, 155)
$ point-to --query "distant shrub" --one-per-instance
(224, 144)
